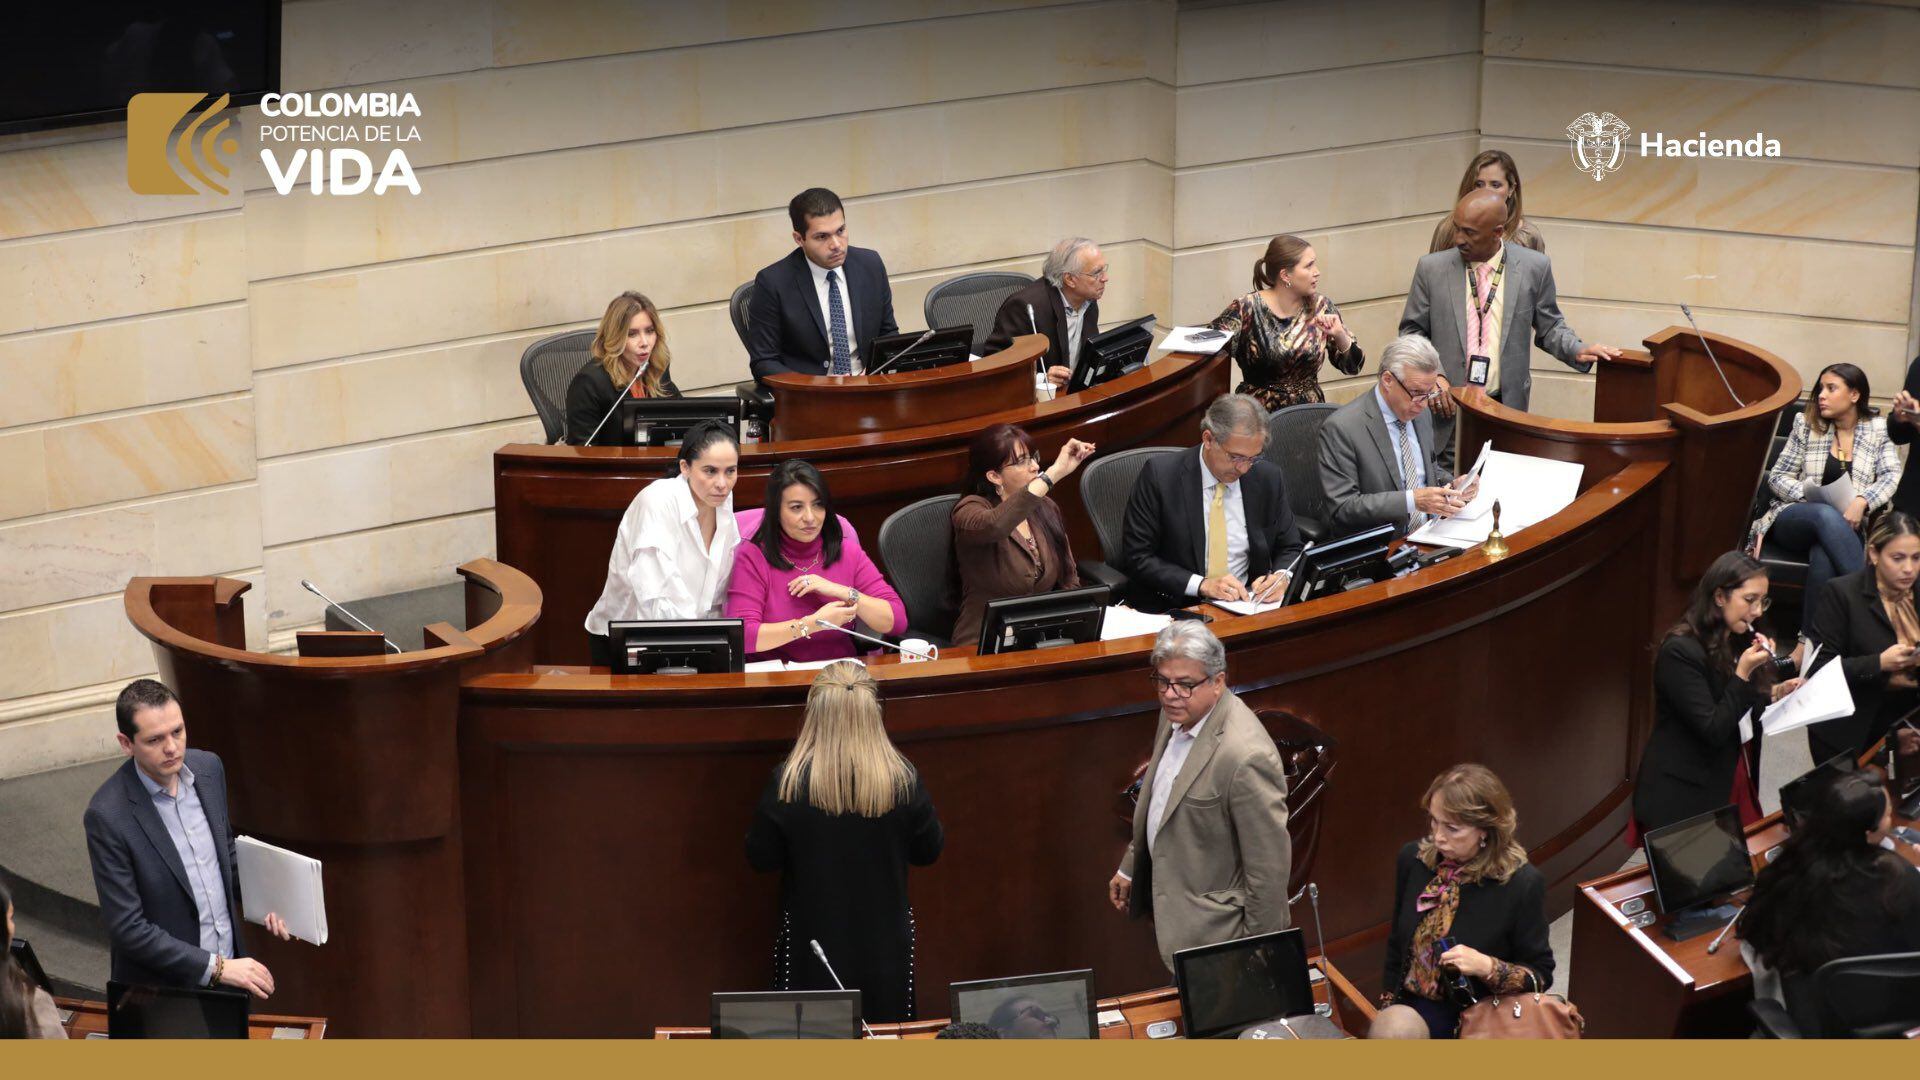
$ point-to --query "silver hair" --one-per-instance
(1189, 639)
(1235, 414)
(1061, 260)
(1410, 352)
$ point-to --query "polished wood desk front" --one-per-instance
(557, 508)
(85, 1019)
(1351, 1011)
(829, 406)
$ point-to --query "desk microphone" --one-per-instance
(1039, 362)
(1311, 890)
(1714, 945)
(1688, 312)
(903, 650)
(917, 342)
(639, 371)
(315, 590)
(828, 964)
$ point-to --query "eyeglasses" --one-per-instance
(1240, 461)
(1761, 604)
(1099, 275)
(1181, 690)
(1432, 395)
(1020, 462)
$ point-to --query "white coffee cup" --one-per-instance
(1042, 387)
(916, 650)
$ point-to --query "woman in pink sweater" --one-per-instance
(802, 566)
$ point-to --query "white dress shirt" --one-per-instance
(659, 568)
(1172, 760)
(1076, 319)
(1236, 527)
(1393, 436)
(826, 312)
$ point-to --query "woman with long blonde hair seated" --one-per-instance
(631, 339)
(841, 819)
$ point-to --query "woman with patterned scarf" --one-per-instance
(1469, 911)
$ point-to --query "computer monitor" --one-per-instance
(1795, 793)
(1338, 565)
(666, 421)
(678, 647)
(1112, 353)
(1699, 861)
(1055, 1006)
(790, 1014)
(174, 1012)
(1233, 985)
(896, 353)
(23, 955)
(1044, 620)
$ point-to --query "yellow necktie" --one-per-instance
(1217, 533)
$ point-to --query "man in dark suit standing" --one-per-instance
(817, 311)
(162, 846)
(1211, 524)
(1064, 305)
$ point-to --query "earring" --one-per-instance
(1483, 841)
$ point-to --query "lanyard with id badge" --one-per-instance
(1480, 366)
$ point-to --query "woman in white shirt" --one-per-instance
(674, 551)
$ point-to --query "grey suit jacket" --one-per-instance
(1360, 473)
(144, 897)
(1437, 310)
(1219, 866)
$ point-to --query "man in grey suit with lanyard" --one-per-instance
(1477, 302)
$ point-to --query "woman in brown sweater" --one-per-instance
(1008, 537)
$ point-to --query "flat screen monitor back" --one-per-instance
(1235, 984)
(1698, 860)
(1055, 1006)
(168, 1012)
(799, 1014)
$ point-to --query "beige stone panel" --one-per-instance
(133, 270)
(1768, 197)
(55, 189)
(440, 475)
(1222, 203)
(149, 453)
(414, 303)
(70, 645)
(1248, 41)
(335, 43)
(105, 367)
(23, 461)
(324, 494)
(602, 189)
(373, 563)
(55, 741)
(534, 31)
(1363, 262)
(1803, 277)
(1851, 43)
(1241, 121)
(1820, 121)
(93, 553)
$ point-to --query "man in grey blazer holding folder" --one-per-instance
(162, 846)
(1483, 303)
(1210, 855)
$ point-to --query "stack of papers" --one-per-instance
(1245, 607)
(1837, 494)
(796, 665)
(1824, 696)
(277, 881)
(1123, 622)
(1530, 489)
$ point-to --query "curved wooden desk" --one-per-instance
(349, 760)
(557, 508)
(815, 407)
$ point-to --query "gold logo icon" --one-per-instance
(156, 157)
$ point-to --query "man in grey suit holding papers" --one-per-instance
(1377, 452)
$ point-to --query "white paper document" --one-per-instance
(1824, 696)
(1122, 622)
(1530, 489)
(1837, 494)
(765, 666)
(1482, 503)
(1245, 607)
(284, 883)
(1181, 339)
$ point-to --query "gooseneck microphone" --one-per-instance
(628, 389)
(828, 964)
(877, 641)
(1688, 312)
(1714, 945)
(355, 619)
(917, 342)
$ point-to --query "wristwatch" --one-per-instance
(1044, 476)
(853, 595)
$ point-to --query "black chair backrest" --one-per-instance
(916, 549)
(738, 308)
(546, 368)
(972, 299)
(1105, 487)
(1868, 997)
(1293, 443)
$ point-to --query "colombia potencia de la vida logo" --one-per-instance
(158, 156)
(322, 139)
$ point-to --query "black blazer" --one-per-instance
(1505, 920)
(1164, 542)
(1049, 318)
(785, 328)
(843, 883)
(1906, 497)
(590, 397)
(1689, 762)
(1848, 621)
(144, 896)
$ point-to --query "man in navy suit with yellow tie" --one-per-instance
(818, 311)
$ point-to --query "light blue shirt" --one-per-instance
(186, 822)
(1419, 478)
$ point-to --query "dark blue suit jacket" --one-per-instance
(787, 332)
(144, 896)
(1164, 537)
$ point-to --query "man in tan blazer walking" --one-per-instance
(1210, 855)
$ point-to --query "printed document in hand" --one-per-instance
(1837, 494)
(1180, 339)
(1746, 718)
(285, 883)
(1125, 622)
(1483, 499)
(1824, 696)
(1530, 489)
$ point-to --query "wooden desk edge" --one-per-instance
(90, 1016)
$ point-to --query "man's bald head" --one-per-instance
(1480, 224)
